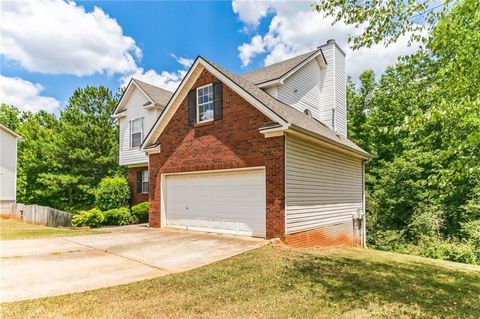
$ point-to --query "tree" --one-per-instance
(423, 128)
(87, 144)
(385, 20)
(62, 160)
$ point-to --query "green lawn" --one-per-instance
(277, 282)
(16, 229)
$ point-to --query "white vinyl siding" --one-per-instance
(319, 89)
(334, 90)
(302, 89)
(328, 93)
(322, 186)
(340, 94)
(231, 202)
(8, 166)
(135, 109)
(136, 132)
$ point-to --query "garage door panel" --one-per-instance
(226, 202)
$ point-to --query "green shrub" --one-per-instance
(93, 218)
(140, 212)
(112, 192)
(117, 216)
(446, 249)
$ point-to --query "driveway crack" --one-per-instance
(106, 251)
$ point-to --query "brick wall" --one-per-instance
(232, 142)
(135, 198)
(344, 233)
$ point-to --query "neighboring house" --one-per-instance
(8, 167)
(263, 154)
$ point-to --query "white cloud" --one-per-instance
(25, 95)
(250, 12)
(60, 37)
(166, 80)
(295, 28)
(183, 61)
(249, 50)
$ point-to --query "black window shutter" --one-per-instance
(192, 107)
(217, 100)
(139, 182)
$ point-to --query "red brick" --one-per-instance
(135, 198)
(232, 142)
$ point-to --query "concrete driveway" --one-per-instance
(55, 266)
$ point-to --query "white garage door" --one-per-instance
(222, 202)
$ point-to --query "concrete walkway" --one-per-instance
(54, 266)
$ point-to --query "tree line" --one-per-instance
(62, 159)
(420, 120)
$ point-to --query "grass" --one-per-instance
(278, 282)
(16, 229)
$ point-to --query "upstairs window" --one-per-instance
(205, 108)
(136, 132)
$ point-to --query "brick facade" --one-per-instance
(232, 142)
(136, 198)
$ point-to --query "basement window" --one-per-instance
(205, 107)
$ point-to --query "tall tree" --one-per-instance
(385, 20)
(87, 144)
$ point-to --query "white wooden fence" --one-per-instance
(36, 214)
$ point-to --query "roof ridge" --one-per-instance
(156, 86)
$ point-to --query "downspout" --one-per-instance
(364, 221)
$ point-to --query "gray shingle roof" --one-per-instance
(289, 114)
(277, 70)
(158, 95)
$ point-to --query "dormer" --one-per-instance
(313, 82)
(137, 110)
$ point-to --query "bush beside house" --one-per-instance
(111, 198)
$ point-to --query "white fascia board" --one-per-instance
(198, 66)
(9, 131)
(153, 150)
(166, 115)
(126, 95)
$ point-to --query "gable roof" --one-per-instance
(281, 70)
(286, 116)
(291, 115)
(9, 131)
(156, 95)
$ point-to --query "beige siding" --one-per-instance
(302, 89)
(322, 186)
(135, 109)
(8, 166)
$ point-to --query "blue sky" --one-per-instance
(50, 48)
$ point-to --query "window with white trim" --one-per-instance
(136, 132)
(144, 181)
(205, 107)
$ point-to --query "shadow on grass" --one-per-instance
(354, 283)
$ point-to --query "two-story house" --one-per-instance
(262, 154)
